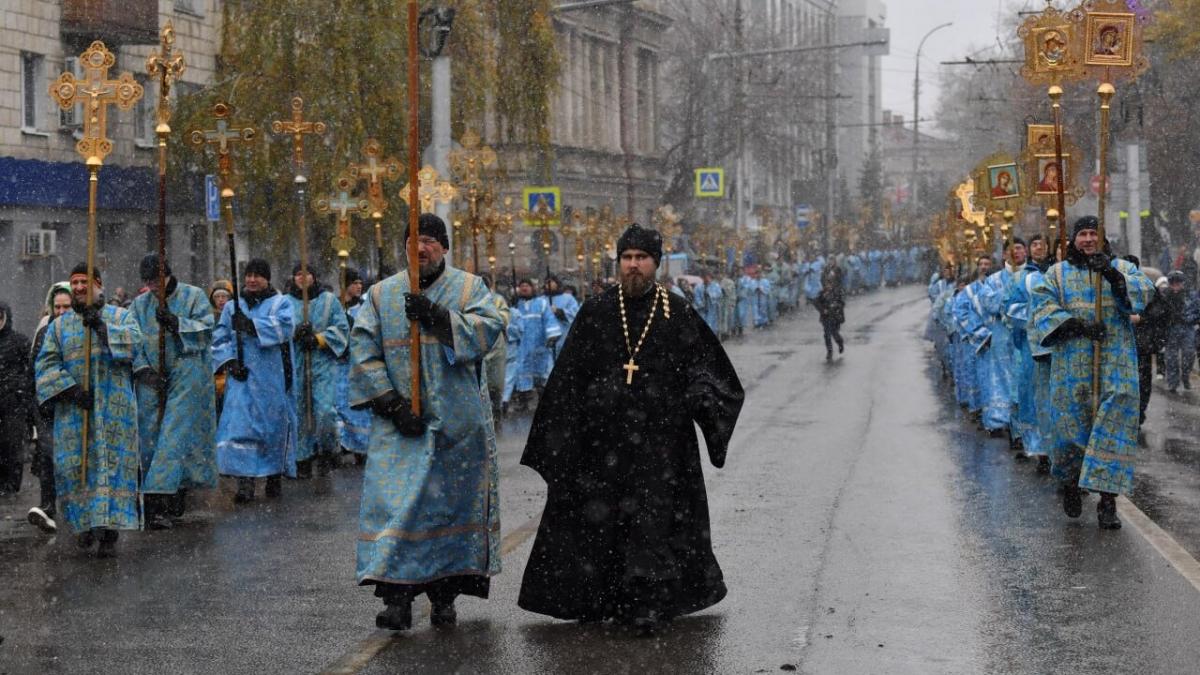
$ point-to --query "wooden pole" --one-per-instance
(414, 201)
(1106, 93)
(163, 130)
(93, 166)
(1056, 94)
(227, 208)
(302, 226)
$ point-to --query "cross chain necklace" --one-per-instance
(631, 367)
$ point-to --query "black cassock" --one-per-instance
(626, 525)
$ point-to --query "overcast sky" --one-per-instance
(974, 27)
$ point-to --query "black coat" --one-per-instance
(16, 370)
(626, 507)
(831, 305)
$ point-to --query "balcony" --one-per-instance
(116, 22)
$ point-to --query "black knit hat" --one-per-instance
(1085, 223)
(642, 239)
(260, 267)
(430, 225)
(311, 270)
(148, 268)
(352, 275)
(81, 268)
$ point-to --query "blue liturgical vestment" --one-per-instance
(328, 319)
(1100, 449)
(107, 498)
(354, 426)
(570, 307)
(537, 325)
(980, 331)
(1024, 370)
(181, 453)
(256, 435)
(966, 368)
(430, 506)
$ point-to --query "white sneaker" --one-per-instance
(41, 520)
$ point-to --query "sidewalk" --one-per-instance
(1167, 486)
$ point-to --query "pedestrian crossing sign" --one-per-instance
(710, 182)
(543, 203)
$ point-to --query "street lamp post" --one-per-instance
(914, 191)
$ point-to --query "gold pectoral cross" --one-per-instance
(630, 369)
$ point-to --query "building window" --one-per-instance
(193, 7)
(646, 85)
(32, 92)
(8, 247)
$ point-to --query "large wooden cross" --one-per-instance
(222, 138)
(96, 92)
(298, 127)
(374, 170)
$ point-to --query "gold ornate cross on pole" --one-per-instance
(298, 127)
(430, 189)
(96, 92)
(344, 206)
(375, 170)
(222, 140)
(168, 66)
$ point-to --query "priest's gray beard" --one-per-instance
(634, 284)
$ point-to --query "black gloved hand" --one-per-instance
(551, 342)
(167, 320)
(238, 371)
(79, 397)
(306, 338)
(560, 314)
(1098, 262)
(987, 344)
(433, 317)
(244, 324)
(91, 318)
(150, 378)
(1095, 331)
(398, 409)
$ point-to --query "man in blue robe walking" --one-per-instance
(565, 307)
(256, 435)
(178, 452)
(429, 522)
(1095, 440)
(105, 500)
(319, 344)
(539, 332)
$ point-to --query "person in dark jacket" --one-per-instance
(1182, 314)
(831, 306)
(16, 391)
(1149, 330)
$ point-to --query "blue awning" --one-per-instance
(33, 182)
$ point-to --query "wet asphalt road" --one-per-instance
(862, 524)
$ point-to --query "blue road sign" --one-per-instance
(803, 215)
(212, 198)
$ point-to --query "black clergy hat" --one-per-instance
(311, 270)
(642, 239)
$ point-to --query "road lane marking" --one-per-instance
(361, 653)
(1165, 544)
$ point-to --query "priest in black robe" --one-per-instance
(625, 532)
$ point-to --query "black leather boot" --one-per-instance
(1072, 499)
(1106, 512)
(396, 615)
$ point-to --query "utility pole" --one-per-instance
(914, 187)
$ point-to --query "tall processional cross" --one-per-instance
(96, 92)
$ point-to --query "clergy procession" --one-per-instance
(494, 336)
